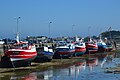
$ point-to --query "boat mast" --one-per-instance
(17, 35)
(100, 37)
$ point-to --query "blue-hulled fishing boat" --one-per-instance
(101, 45)
(44, 54)
(64, 51)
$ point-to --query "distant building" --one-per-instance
(38, 39)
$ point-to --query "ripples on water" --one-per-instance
(79, 72)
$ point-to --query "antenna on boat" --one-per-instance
(90, 39)
(17, 35)
(89, 36)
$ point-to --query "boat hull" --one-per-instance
(22, 62)
(64, 51)
(15, 62)
(18, 57)
(62, 54)
(109, 48)
(79, 51)
(44, 56)
(91, 48)
(102, 48)
(69, 52)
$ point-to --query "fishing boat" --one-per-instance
(91, 47)
(109, 46)
(80, 49)
(19, 55)
(101, 45)
(44, 54)
(64, 51)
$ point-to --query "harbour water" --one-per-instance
(73, 72)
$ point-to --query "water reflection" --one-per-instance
(86, 71)
(31, 76)
(63, 74)
(69, 73)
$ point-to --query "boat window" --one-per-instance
(99, 43)
(45, 48)
(81, 44)
(40, 49)
(20, 46)
(24, 45)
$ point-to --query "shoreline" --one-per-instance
(115, 70)
(56, 63)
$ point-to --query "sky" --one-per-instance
(67, 17)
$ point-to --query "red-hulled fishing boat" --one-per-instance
(80, 49)
(20, 54)
(91, 47)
